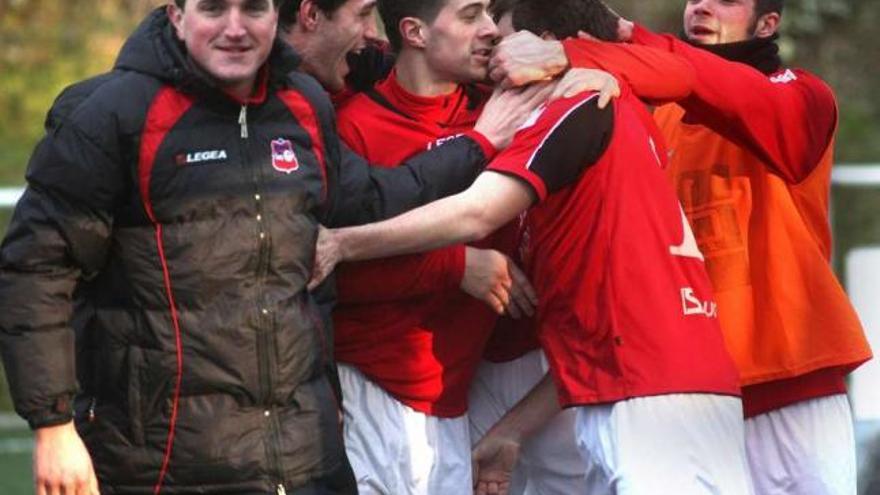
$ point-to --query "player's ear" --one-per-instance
(307, 17)
(767, 25)
(412, 32)
(175, 14)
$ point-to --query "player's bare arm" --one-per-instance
(453, 213)
(492, 200)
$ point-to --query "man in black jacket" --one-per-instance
(170, 219)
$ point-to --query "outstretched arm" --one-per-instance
(489, 203)
(655, 75)
(366, 193)
(787, 120)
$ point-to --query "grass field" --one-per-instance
(16, 445)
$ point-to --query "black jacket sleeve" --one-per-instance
(367, 193)
(359, 193)
(59, 233)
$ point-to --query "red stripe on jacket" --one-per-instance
(166, 110)
(304, 112)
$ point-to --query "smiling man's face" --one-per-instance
(229, 39)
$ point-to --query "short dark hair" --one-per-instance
(182, 3)
(563, 18)
(500, 7)
(766, 6)
(289, 9)
(392, 11)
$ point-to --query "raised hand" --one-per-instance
(524, 57)
(579, 80)
(508, 109)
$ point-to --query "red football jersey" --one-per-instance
(403, 321)
(626, 307)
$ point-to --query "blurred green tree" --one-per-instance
(48, 44)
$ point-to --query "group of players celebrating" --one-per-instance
(631, 294)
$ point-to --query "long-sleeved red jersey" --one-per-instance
(751, 158)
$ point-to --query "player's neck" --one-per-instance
(415, 75)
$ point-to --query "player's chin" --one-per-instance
(336, 79)
(478, 71)
(701, 38)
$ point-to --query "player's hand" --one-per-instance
(524, 57)
(328, 253)
(493, 278)
(523, 298)
(492, 461)
(62, 465)
(579, 80)
(508, 109)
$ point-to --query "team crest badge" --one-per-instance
(283, 157)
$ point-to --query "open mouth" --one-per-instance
(701, 31)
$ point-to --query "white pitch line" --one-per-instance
(9, 421)
(9, 196)
(856, 175)
(9, 446)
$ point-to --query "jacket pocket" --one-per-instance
(151, 376)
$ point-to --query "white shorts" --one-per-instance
(396, 450)
(549, 461)
(678, 444)
(806, 448)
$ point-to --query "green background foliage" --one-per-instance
(48, 44)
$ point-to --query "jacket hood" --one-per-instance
(154, 49)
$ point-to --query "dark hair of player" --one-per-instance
(562, 18)
(766, 6)
(289, 9)
(182, 3)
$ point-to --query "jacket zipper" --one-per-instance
(92, 404)
(264, 341)
(242, 121)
